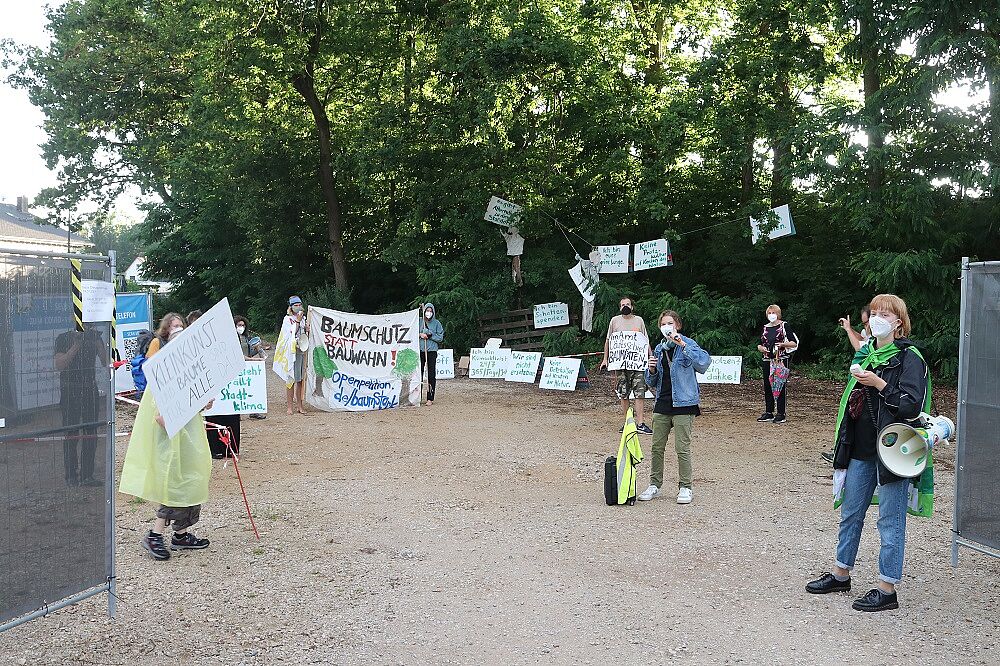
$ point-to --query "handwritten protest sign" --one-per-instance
(784, 227)
(551, 314)
(502, 212)
(614, 258)
(489, 363)
(653, 254)
(361, 362)
(445, 364)
(247, 394)
(193, 367)
(523, 367)
(560, 374)
(587, 287)
(98, 300)
(724, 370)
(628, 350)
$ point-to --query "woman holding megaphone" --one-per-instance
(889, 383)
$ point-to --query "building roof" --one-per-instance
(21, 226)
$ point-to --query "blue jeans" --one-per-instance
(859, 487)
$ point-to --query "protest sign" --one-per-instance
(724, 370)
(587, 287)
(445, 368)
(247, 394)
(614, 258)
(360, 362)
(653, 254)
(191, 370)
(628, 350)
(551, 314)
(489, 363)
(785, 226)
(133, 316)
(98, 300)
(560, 374)
(523, 367)
(502, 212)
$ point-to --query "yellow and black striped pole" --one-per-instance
(115, 355)
(76, 279)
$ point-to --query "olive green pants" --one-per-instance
(682, 425)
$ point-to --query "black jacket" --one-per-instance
(901, 401)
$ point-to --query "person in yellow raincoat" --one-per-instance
(172, 471)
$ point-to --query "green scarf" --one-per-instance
(922, 491)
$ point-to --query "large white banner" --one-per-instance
(247, 394)
(192, 368)
(628, 350)
(362, 362)
(724, 370)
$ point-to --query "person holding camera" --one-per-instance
(77, 356)
(673, 369)
(777, 343)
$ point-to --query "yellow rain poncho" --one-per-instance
(629, 455)
(171, 471)
(284, 351)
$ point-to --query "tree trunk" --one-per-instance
(870, 56)
(780, 147)
(747, 180)
(993, 144)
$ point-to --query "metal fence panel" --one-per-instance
(56, 450)
(977, 502)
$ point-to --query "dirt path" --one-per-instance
(475, 531)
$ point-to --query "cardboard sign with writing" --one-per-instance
(247, 394)
(502, 212)
(193, 368)
(628, 350)
(560, 374)
(551, 314)
(523, 367)
(724, 370)
(445, 364)
(489, 363)
(614, 258)
(653, 254)
(784, 227)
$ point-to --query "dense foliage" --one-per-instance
(347, 151)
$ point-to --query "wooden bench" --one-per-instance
(517, 329)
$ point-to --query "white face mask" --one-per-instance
(881, 328)
(771, 317)
(667, 330)
(240, 329)
(176, 329)
(429, 314)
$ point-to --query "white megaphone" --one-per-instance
(903, 449)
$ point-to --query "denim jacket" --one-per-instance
(687, 361)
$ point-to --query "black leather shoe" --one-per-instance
(766, 417)
(826, 584)
(827, 456)
(876, 600)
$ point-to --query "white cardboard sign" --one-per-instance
(653, 254)
(98, 300)
(247, 394)
(724, 370)
(560, 374)
(445, 368)
(785, 226)
(489, 363)
(523, 367)
(551, 314)
(628, 350)
(192, 368)
(614, 258)
(502, 212)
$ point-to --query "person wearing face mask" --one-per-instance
(888, 383)
(290, 354)
(858, 340)
(672, 371)
(631, 383)
(431, 336)
(170, 323)
(252, 348)
(777, 343)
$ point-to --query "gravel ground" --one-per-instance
(475, 531)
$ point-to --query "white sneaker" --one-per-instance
(649, 493)
(683, 496)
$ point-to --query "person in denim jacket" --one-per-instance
(672, 371)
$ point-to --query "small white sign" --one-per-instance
(523, 367)
(628, 350)
(3, 423)
(560, 374)
(445, 368)
(614, 258)
(551, 314)
(502, 212)
(98, 300)
(785, 226)
(583, 283)
(488, 363)
(247, 394)
(193, 367)
(724, 370)
(653, 254)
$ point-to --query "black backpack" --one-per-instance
(143, 341)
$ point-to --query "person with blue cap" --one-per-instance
(290, 354)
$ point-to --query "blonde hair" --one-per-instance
(773, 308)
(678, 324)
(897, 306)
(163, 332)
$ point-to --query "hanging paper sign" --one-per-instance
(523, 367)
(502, 212)
(560, 374)
(653, 254)
(247, 394)
(551, 314)
(586, 286)
(614, 258)
(98, 300)
(489, 363)
(785, 226)
(445, 368)
(628, 350)
(724, 370)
